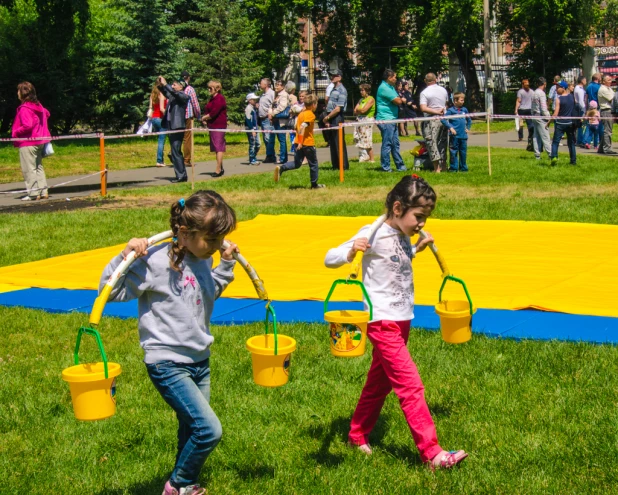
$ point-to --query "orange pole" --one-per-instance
(341, 152)
(102, 163)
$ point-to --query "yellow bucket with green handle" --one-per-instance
(348, 328)
(92, 385)
(455, 315)
(271, 354)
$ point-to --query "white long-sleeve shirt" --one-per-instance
(387, 271)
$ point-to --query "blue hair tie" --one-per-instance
(174, 239)
(181, 202)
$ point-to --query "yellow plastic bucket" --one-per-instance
(348, 332)
(455, 321)
(348, 327)
(270, 369)
(93, 395)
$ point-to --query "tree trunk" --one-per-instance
(473, 89)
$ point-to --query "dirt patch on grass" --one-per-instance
(56, 206)
(288, 196)
(278, 197)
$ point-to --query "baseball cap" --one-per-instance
(182, 82)
(563, 84)
(252, 96)
(335, 72)
(185, 74)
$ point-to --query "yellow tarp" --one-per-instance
(566, 267)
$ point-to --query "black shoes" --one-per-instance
(176, 181)
(269, 159)
(220, 174)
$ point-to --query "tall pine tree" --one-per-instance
(133, 43)
(221, 45)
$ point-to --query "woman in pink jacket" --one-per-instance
(31, 121)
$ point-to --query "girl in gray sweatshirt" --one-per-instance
(176, 287)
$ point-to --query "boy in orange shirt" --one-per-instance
(305, 144)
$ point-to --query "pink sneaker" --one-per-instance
(447, 460)
(169, 489)
(187, 490)
(192, 490)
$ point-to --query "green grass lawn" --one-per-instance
(536, 417)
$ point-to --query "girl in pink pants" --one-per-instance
(387, 275)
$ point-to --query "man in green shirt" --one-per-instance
(388, 102)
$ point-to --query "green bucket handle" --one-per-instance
(271, 311)
(349, 282)
(97, 336)
(455, 279)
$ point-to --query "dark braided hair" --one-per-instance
(204, 211)
(408, 192)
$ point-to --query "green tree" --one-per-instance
(43, 41)
(132, 44)
(548, 36)
(221, 45)
(275, 30)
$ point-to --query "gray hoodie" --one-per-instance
(174, 308)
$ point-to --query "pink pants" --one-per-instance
(392, 368)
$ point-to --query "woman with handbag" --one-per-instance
(156, 112)
(31, 122)
(215, 117)
(280, 114)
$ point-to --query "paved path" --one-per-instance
(153, 176)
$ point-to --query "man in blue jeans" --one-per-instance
(266, 104)
(388, 102)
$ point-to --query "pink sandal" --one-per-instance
(447, 459)
(364, 448)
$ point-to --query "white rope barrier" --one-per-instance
(52, 138)
(22, 191)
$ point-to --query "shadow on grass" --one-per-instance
(252, 472)
(152, 487)
(338, 431)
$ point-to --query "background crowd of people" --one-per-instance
(175, 106)
(568, 102)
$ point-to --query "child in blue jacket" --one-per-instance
(458, 129)
(251, 124)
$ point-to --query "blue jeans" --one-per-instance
(283, 142)
(157, 126)
(458, 146)
(592, 134)
(390, 145)
(307, 152)
(269, 139)
(560, 130)
(186, 389)
(254, 146)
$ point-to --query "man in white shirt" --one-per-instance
(606, 95)
(432, 103)
(580, 105)
(523, 106)
(540, 141)
(264, 107)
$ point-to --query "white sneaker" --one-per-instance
(30, 198)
